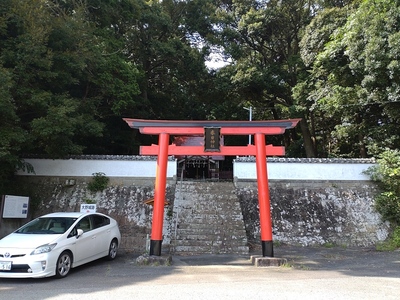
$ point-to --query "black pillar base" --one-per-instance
(155, 247)
(267, 248)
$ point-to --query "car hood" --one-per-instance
(25, 241)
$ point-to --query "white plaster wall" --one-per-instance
(303, 171)
(111, 168)
(242, 170)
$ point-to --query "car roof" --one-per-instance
(73, 214)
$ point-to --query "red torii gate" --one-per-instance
(212, 130)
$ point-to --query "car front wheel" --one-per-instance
(64, 263)
(112, 251)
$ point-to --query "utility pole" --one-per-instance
(250, 118)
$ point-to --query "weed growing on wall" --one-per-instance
(89, 201)
(98, 183)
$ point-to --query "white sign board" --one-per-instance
(15, 206)
(88, 208)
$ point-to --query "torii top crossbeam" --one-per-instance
(175, 127)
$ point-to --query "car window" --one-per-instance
(34, 226)
(57, 226)
(47, 226)
(100, 221)
(84, 224)
(73, 232)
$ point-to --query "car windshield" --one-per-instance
(47, 226)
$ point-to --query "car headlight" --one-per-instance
(43, 249)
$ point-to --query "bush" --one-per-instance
(392, 243)
(387, 175)
(98, 183)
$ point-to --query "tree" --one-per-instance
(263, 40)
(68, 75)
(12, 137)
(173, 71)
(353, 81)
(317, 34)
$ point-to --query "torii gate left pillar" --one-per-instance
(166, 128)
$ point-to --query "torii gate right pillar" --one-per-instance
(263, 196)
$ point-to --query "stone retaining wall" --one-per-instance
(123, 200)
(316, 212)
(303, 212)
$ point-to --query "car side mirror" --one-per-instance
(79, 233)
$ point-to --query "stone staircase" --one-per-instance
(208, 219)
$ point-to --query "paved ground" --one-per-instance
(311, 273)
(365, 262)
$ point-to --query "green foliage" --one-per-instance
(98, 183)
(262, 38)
(65, 72)
(328, 245)
(69, 70)
(387, 175)
(352, 83)
(392, 243)
(11, 136)
(173, 72)
(89, 201)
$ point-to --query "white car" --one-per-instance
(53, 244)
